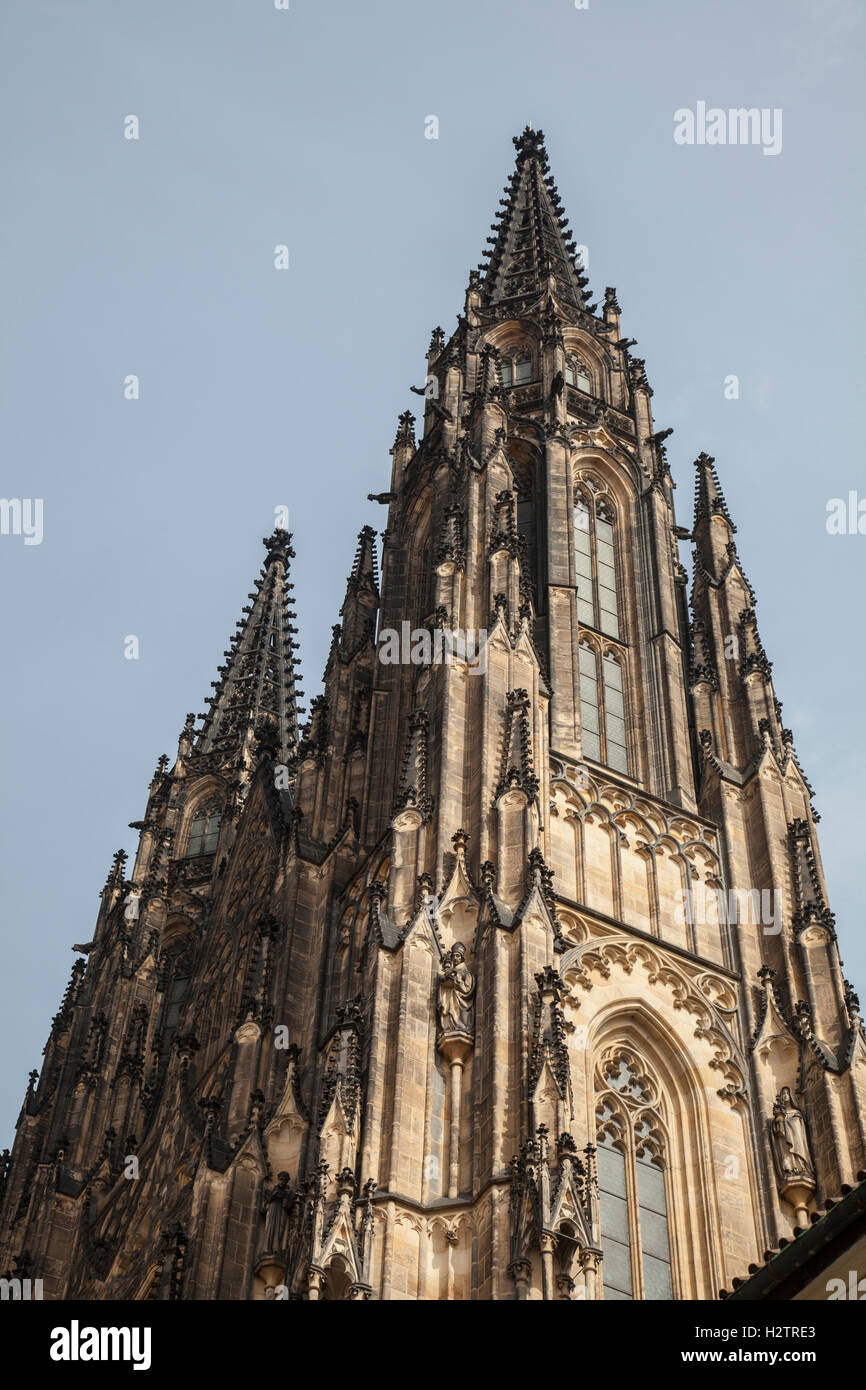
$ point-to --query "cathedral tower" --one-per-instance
(513, 974)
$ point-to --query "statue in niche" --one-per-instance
(789, 1140)
(456, 992)
(278, 1203)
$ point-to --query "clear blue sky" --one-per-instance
(261, 388)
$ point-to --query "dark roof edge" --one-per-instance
(784, 1276)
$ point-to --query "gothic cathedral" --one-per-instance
(511, 974)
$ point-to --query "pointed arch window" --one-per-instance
(204, 831)
(526, 524)
(515, 369)
(589, 702)
(614, 713)
(632, 1181)
(176, 977)
(525, 516)
(602, 709)
(577, 375)
(596, 565)
(601, 675)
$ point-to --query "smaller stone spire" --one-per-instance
(715, 548)
(709, 498)
(361, 604)
(257, 684)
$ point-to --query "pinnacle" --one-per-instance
(405, 437)
(365, 568)
(257, 682)
(530, 142)
(279, 547)
(709, 498)
(361, 603)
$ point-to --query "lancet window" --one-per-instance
(632, 1179)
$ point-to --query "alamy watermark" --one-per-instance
(712, 907)
(20, 1290)
(739, 125)
(440, 646)
(77, 1343)
(854, 1290)
(846, 517)
(22, 516)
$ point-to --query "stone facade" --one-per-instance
(512, 974)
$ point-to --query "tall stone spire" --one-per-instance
(256, 690)
(531, 241)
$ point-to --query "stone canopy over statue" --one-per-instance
(456, 993)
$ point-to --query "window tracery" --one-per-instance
(632, 1161)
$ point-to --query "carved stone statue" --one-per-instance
(790, 1141)
(278, 1203)
(456, 992)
